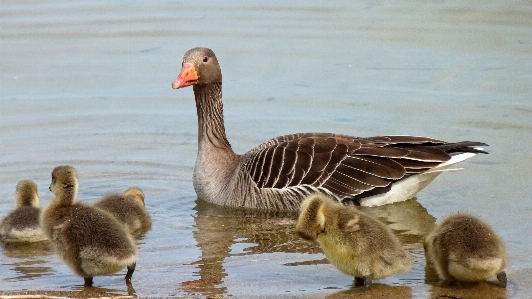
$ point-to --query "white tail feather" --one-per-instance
(409, 187)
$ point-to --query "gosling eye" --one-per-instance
(205, 58)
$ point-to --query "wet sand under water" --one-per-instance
(88, 84)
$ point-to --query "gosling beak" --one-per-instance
(187, 77)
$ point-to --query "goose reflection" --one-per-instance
(222, 232)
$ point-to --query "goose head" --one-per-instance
(199, 67)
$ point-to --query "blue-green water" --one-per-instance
(88, 84)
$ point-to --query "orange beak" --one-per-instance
(187, 77)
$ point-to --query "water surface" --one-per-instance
(88, 84)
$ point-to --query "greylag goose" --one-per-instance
(22, 224)
(89, 240)
(280, 173)
(355, 243)
(464, 248)
(129, 209)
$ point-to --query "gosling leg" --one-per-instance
(367, 282)
(88, 281)
(130, 270)
(363, 281)
(502, 278)
(359, 281)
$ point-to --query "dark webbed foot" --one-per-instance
(88, 281)
(130, 270)
(502, 278)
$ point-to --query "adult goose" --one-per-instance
(280, 173)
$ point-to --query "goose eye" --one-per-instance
(205, 58)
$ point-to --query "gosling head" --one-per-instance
(136, 194)
(27, 194)
(311, 221)
(64, 182)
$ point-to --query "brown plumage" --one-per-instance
(464, 248)
(355, 243)
(280, 173)
(89, 240)
(129, 209)
(22, 224)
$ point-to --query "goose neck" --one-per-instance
(211, 129)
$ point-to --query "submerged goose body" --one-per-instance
(354, 242)
(280, 173)
(89, 240)
(22, 224)
(464, 248)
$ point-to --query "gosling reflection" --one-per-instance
(27, 260)
(219, 229)
(484, 290)
(376, 291)
(84, 291)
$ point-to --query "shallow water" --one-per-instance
(88, 84)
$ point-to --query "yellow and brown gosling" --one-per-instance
(464, 248)
(89, 240)
(22, 224)
(128, 208)
(354, 242)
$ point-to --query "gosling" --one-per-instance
(89, 240)
(129, 209)
(22, 224)
(464, 248)
(355, 243)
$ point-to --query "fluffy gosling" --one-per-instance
(355, 243)
(128, 208)
(89, 240)
(464, 248)
(22, 224)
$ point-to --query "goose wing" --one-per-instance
(345, 165)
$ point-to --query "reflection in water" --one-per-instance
(78, 292)
(28, 261)
(483, 290)
(408, 218)
(219, 229)
(223, 232)
(376, 291)
(99, 292)
(27, 250)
